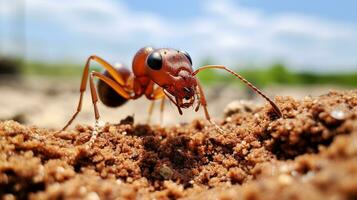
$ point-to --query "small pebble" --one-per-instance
(118, 181)
(166, 172)
(338, 114)
(285, 179)
(92, 196)
(59, 169)
(82, 190)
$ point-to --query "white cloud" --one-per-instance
(298, 39)
(248, 18)
(227, 30)
(100, 18)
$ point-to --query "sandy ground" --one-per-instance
(310, 153)
(50, 103)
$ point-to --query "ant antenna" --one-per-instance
(255, 89)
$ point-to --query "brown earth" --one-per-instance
(311, 153)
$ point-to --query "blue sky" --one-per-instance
(319, 35)
(330, 9)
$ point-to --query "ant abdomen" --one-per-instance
(109, 96)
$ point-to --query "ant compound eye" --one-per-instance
(187, 56)
(154, 61)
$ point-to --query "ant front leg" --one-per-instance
(203, 102)
(255, 89)
(155, 94)
(173, 101)
(116, 76)
(162, 107)
(151, 109)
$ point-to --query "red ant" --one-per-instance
(170, 69)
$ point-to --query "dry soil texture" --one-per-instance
(311, 153)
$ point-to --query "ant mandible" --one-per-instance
(169, 69)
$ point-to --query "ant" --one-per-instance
(169, 69)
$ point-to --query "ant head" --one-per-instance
(172, 70)
(168, 60)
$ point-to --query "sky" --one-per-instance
(319, 35)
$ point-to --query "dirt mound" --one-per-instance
(309, 154)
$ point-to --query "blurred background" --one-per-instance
(295, 48)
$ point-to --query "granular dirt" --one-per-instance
(311, 153)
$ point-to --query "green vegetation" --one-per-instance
(36, 68)
(16, 66)
(279, 74)
(62, 69)
(274, 74)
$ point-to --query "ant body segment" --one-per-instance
(169, 69)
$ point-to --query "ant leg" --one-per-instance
(275, 107)
(112, 71)
(117, 77)
(154, 94)
(151, 108)
(162, 107)
(118, 88)
(94, 95)
(203, 102)
(173, 101)
(96, 112)
(158, 94)
(79, 107)
(198, 102)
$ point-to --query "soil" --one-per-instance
(311, 153)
